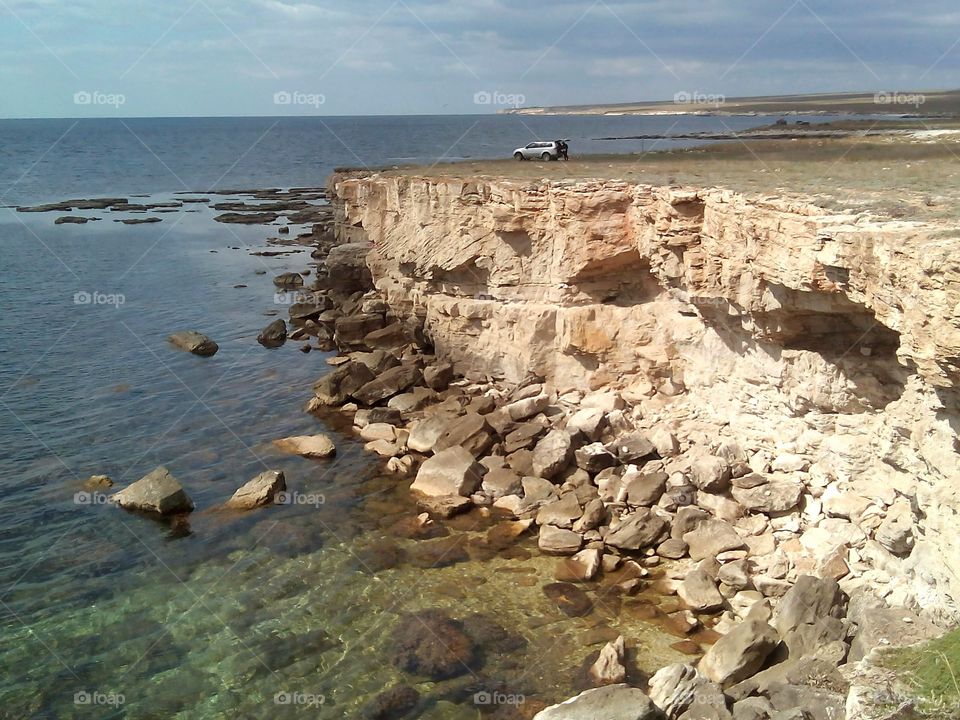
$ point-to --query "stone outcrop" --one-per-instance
(157, 492)
(813, 351)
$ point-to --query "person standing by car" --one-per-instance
(562, 149)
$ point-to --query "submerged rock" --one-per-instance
(571, 600)
(432, 645)
(194, 342)
(258, 492)
(394, 703)
(157, 492)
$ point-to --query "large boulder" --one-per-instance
(453, 471)
(633, 448)
(347, 267)
(594, 457)
(710, 473)
(432, 645)
(157, 492)
(637, 531)
(425, 433)
(643, 488)
(194, 342)
(588, 421)
(557, 541)
(810, 599)
(335, 388)
(258, 492)
(740, 653)
(609, 669)
(552, 454)
(390, 382)
(611, 702)
(308, 446)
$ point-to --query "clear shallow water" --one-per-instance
(214, 617)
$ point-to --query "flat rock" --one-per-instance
(632, 448)
(561, 513)
(389, 383)
(470, 432)
(258, 492)
(557, 541)
(637, 530)
(194, 342)
(309, 446)
(157, 492)
(425, 433)
(771, 497)
(611, 702)
(712, 537)
(699, 591)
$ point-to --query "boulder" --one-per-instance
(643, 488)
(453, 471)
(582, 567)
(710, 473)
(712, 537)
(395, 702)
(500, 482)
(594, 457)
(699, 591)
(632, 448)
(350, 330)
(740, 653)
(438, 377)
(557, 541)
(771, 497)
(258, 492)
(611, 702)
(308, 446)
(609, 669)
(552, 454)
(561, 513)
(588, 421)
(274, 334)
(445, 506)
(288, 281)
(638, 530)
(336, 387)
(522, 437)
(431, 644)
(157, 492)
(470, 432)
(389, 383)
(594, 515)
(425, 433)
(527, 407)
(194, 342)
(808, 600)
(676, 687)
(896, 531)
(347, 267)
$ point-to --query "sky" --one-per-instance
(131, 58)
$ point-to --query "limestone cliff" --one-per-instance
(799, 333)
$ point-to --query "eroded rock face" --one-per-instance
(767, 316)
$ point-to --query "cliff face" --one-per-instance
(758, 319)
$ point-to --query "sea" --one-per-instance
(286, 611)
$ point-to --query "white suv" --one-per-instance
(542, 150)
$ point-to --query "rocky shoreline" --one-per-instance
(729, 531)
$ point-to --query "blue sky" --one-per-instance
(274, 57)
